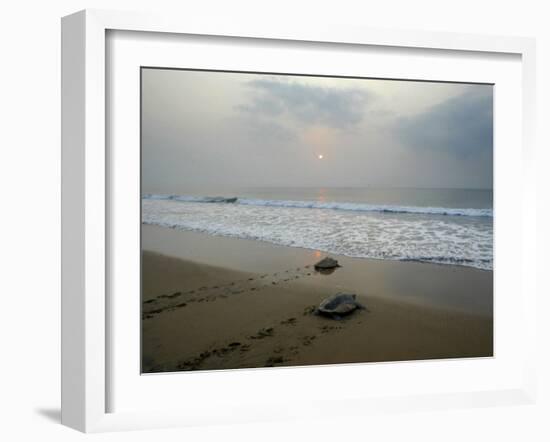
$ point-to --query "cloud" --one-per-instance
(461, 126)
(307, 104)
(267, 130)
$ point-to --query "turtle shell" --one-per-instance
(327, 263)
(339, 304)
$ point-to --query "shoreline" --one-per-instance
(210, 303)
(263, 241)
(413, 282)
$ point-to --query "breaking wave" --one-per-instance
(356, 230)
(348, 206)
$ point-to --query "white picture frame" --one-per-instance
(86, 211)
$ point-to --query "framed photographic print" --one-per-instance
(340, 220)
(250, 214)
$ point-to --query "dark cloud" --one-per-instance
(263, 105)
(264, 131)
(461, 126)
(307, 103)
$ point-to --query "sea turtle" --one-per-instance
(326, 263)
(338, 305)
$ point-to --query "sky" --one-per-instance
(217, 130)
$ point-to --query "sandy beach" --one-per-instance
(222, 303)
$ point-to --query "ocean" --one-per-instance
(443, 226)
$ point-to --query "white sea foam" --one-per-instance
(399, 235)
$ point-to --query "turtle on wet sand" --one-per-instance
(326, 263)
(338, 305)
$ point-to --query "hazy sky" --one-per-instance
(216, 130)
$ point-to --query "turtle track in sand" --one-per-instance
(180, 299)
(234, 352)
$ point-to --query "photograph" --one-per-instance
(292, 220)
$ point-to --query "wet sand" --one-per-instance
(223, 303)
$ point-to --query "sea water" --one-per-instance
(444, 226)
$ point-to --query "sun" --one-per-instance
(320, 156)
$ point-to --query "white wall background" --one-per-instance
(30, 213)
